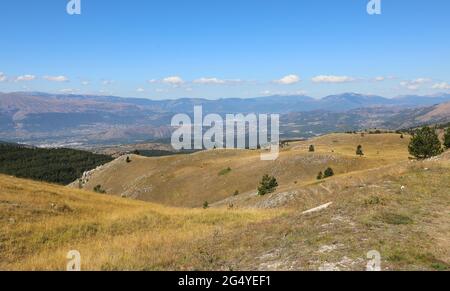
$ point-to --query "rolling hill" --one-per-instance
(190, 180)
(397, 207)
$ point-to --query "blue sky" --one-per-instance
(233, 48)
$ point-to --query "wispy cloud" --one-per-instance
(25, 78)
(441, 86)
(140, 90)
(56, 78)
(333, 79)
(414, 84)
(2, 77)
(107, 82)
(288, 80)
(173, 80)
(68, 91)
(283, 93)
(209, 81)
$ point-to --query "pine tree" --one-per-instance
(425, 144)
(268, 185)
(447, 139)
(328, 173)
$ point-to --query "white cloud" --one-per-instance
(420, 81)
(140, 90)
(152, 81)
(209, 81)
(25, 78)
(85, 83)
(383, 78)
(107, 82)
(415, 84)
(2, 77)
(174, 80)
(332, 79)
(288, 80)
(68, 91)
(56, 78)
(106, 92)
(441, 86)
(283, 93)
(409, 86)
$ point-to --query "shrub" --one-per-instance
(98, 189)
(425, 144)
(311, 149)
(205, 205)
(268, 185)
(128, 160)
(320, 176)
(328, 173)
(225, 171)
(359, 151)
(236, 193)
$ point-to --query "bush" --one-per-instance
(268, 185)
(447, 139)
(328, 173)
(205, 205)
(236, 193)
(425, 144)
(311, 149)
(320, 176)
(128, 160)
(225, 171)
(98, 189)
(359, 151)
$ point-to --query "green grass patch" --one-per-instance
(395, 219)
(225, 171)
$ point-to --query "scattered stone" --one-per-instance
(320, 208)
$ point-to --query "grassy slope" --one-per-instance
(190, 180)
(39, 223)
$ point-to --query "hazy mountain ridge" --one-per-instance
(74, 120)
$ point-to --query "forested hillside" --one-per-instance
(61, 166)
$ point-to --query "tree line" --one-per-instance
(60, 166)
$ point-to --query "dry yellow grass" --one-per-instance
(190, 180)
(40, 223)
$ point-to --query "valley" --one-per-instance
(91, 122)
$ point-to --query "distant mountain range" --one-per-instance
(78, 120)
